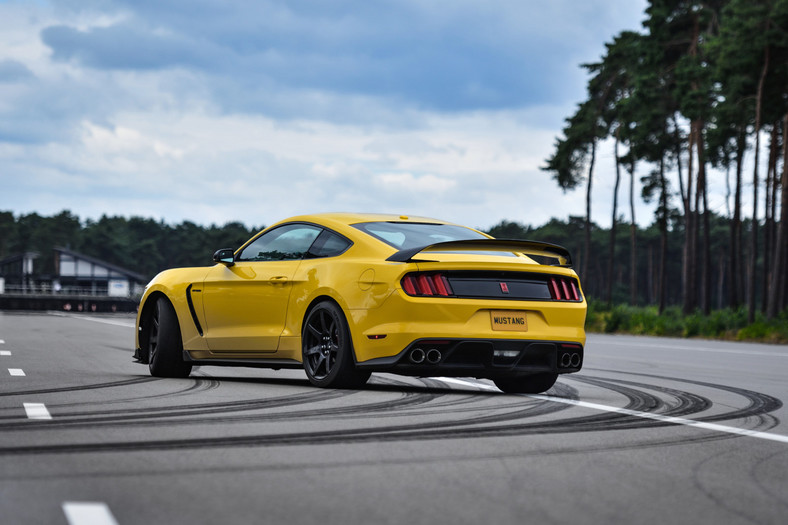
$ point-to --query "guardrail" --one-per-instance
(67, 302)
(46, 289)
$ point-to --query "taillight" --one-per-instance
(563, 289)
(426, 284)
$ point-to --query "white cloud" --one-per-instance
(320, 108)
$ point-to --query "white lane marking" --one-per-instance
(37, 411)
(668, 419)
(635, 413)
(463, 382)
(88, 513)
(2, 342)
(115, 322)
(669, 346)
(16, 371)
(5, 352)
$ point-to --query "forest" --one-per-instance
(703, 87)
(147, 246)
(142, 245)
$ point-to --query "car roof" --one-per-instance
(343, 219)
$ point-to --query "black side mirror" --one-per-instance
(224, 256)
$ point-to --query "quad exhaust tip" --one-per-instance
(570, 360)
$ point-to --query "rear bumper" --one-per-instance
(487, 358)
(383, 333)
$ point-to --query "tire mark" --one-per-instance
(111, 384)
(759, 405)
(514, 418)
(778, 495)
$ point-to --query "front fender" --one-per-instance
(174, 286)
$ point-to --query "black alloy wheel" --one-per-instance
(327, 349)
(165, 348)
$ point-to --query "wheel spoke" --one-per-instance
(314, 331)
(321, 361)
(153, 336)
(312, 350)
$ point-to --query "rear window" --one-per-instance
(404, 235)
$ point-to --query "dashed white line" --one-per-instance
(2, 342)
(635, 413)
(37, 411)
(16, 371)
(88, 513)
(5, 352)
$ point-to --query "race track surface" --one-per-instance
(650, 431)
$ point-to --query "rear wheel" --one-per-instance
(532, 384)
(165, 349)
(327, 349)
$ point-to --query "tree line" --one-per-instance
(147, 247)
(704, 86)
(141, 245)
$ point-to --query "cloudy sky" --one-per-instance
(255, 110)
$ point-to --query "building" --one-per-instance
(80, 282)
(80, 274)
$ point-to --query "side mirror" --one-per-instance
(224, 256)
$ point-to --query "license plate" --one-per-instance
(508, 320)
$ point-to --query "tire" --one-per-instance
(532, 384)
(327, 349)
(165, 349)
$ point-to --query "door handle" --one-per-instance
(278, 279)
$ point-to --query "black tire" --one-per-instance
(327, 349)
(532, 384)
(165, 348)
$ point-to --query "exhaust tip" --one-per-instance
(417, 356)
(433, 356)
(570, 360)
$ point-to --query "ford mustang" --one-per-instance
(344, 295)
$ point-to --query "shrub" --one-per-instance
(725, 324)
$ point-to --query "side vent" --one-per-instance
(191, 308)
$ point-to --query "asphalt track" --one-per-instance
(651, 431)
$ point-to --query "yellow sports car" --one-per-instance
(344, 295)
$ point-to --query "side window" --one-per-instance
(289, 242)
(329, 244)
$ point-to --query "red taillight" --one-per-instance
(441, 284)
(409, 284)
(563, 289)
(575, 292)
(566, 289)
(426, 284)
(555, 292)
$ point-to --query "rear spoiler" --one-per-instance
(542, 249)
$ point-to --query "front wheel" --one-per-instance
(165, 349)
(532, 384)
(327, 349)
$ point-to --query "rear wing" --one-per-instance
(540, 249)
